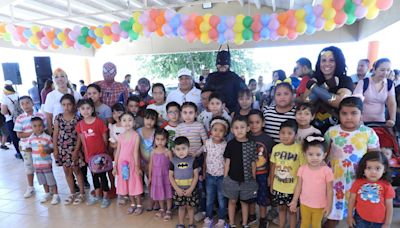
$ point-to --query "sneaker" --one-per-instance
(29, 192)
(272, 214)
(46, 197)
(207, 223)
(252, 220)
(121, 200)
(105, 203)
(199, 216)
(92, 200)
(275, 221)
(231, 226)
(220, 223)
(4, 147)
(18, 156)
(55, 200)
(263, 223)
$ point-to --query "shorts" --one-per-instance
(3, 130)
(263, 190)
(46, 178)
(245, 191)
(192, 201)
(28, 162)
(279, 198)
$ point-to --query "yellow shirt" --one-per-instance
(287, 160)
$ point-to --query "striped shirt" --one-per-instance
(41, 160)
(274, 119)
(23, 123)
(196, 134)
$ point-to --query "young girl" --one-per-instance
(65, 139)
(116, 128)
(263, 152)
(314, 184)
(102, 110)
(127, 165)
(133, 106)
(214, 149)
(93, 136)
(348, 142)
(371, 194)
(159, 94)
(161, 189)
(284, 110)
(285, 160)
(245, 99)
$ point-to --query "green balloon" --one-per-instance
(247, 34)
(81, 40)
(88, 45)
(247, 21)
(350, 7)
(84, 31)
(125, 26)
(133, 35)
(351, 19)
(7, 36)
(131, 21)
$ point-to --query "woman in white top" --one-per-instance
(53, 107)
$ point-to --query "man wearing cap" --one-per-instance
(226, 82)
(110, 89)
(186, 90)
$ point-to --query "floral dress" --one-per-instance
(347, 148)
(66, 141)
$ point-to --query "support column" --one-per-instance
(373, 50)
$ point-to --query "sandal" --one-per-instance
(160, 213)
(132, 209)
(138, 210)
(69, 199)
(79, 199)
(122, 200)
(168, 216)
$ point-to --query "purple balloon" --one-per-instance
(229, 35)
(273, 24)
(44, 41)
(143, 18)
(230, 21)
(357, 2)
(318, 10)
(319, 24)
(360, 12)
(146, 32)
(115, 28)
(273, 35)
(124, 35)
(182, 31)
(167, 29)
(184, 18)
(169, 14)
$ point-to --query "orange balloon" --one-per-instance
(198, 20)
(159, 31)
(2, 28)
(96, 45)
(197, 32)
(51, 35)
(54, 46)
(90, 39)
(282, 18)
(291, 13)
(160, 20)
(283, 31)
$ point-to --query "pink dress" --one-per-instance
(160, 186)
(133, 186)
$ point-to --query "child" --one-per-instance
(214, 171)
(205, 94)
(285, 160)
(65, 139)
(283, 110)
(173, 113)
(23, 128)
(146, 134)
(159, 94)
(40, 144)
(132, 105)
(102, 110)
(348, 142)
(183, 175)
(314, 184)
(305, 113)
(371, 194)
(116, 128)
(245, 99)
(127, 165)
(161, 190)
(216, 108)
(240, 171)
(93, 136)
(263, 152)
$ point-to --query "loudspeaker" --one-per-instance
(11, 72)
(43, 70)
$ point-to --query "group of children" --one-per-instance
(267, 158)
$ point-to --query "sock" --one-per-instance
(31, 188)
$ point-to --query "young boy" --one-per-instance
(173, 114)
(205, 94)
(216, 108)
(133, 106)
(245, 100)
(240, 171)
(305, 113)
(41, 146)
(23, 128)
(183, 175)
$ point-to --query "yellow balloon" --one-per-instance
(329, 25)
(301, 27)
(99, 32)
(137, 28)
(238, 28)
(35, 29)
(107, 24)
(65, 45)
(369, 3)
(329, 13)
(136, 15)
(206, 17)
(34, 40)
(238, 39)
(204, 38)
(239, 18)
(300, 14)
(205, 27)
(327, 4)
(372, 12)
(107, 39)
(61, 36)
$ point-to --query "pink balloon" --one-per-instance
(338, 4)
(214, 21)
(190, 25)
(151, 26)
(40, 34)
(115, 37)
(107, 31)
(361, 11)
(319, 23)
(191, 37)
(384, 4)
(69, 42)
(292, 34)
(230, 21)
(318, 10)
(182, 31)
(291, 23)
(115, 28)
(340, 18)
(124, 35)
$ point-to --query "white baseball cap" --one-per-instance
(184, 72)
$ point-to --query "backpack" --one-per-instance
(366, 84)
(17, 109)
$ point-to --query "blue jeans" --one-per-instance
(361, 223)
(214, 189)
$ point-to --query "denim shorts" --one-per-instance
(361, 223)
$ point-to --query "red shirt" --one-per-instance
(303, 85)
(93, 142)
(370, 200)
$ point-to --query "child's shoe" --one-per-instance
(252, 220)
(46, 197)
(112, 194)
(263, 223)
(69, 199)
(199, 216)
(55, 200)
(207, 223)
(105, 203)
(220, 223)
(29, 192)
(92, 200)
(79, 199)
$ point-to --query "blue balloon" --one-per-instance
(265, 33)
(57, 42)
(99, 40)
(310, 19)
(221, 38)
(91, 33)
(265, 18)
(175, 21)
(310, 30)
(27, 33)
(222, 19)
(309, 8)
(221, 27)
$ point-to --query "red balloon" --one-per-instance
(190, 25)
(153, 13)
(40, 35)
(115, 37)
(256, 36)
(214, 21)
(292, 34)
(291, 13)
(69, 42)
(384, 4)
(151, 26)
(338, 4)
(256, 27)
(256, 17)
(107, 31)
(213, 34)
(191, 37)
(340, 18)
(291, 22)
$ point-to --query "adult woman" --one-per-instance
(52, 106)
(48, 87)
(9, 104)
(378, 91)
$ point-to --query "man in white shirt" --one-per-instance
(362, 71)
(186, 90)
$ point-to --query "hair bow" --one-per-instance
(287, 80)
(314, 138)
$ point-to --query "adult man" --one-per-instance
(304, 70)
(226, 82)
(362, 70)
(34, 94)
(83, 87)
(127, 83)
(110, 89)
(186, 90)
(261, 86)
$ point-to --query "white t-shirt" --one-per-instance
(179, 97)
(53, 104)
(8, 101)
(161, 109)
